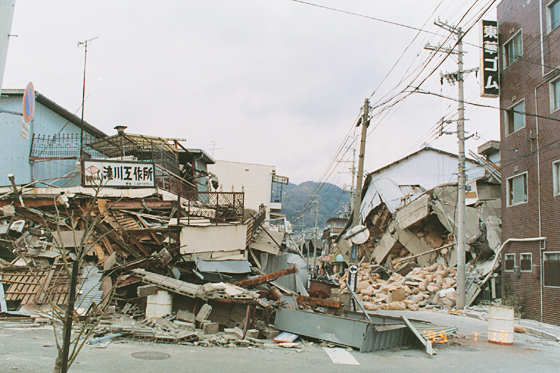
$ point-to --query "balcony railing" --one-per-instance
(219, 207)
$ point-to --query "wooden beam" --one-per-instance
(266, 278)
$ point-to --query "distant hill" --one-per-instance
(332, 199)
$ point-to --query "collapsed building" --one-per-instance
(409, 257)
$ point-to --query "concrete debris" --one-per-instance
(409, 260)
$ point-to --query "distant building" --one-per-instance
(530, 136)
(261, 184)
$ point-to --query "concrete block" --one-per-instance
(185, 325)
(204, 312)
(209, 327)
(252, 333)
(186, 316)
(144, 291)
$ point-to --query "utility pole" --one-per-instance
(461, 179)
(364, 121)
(85, 44)
(353, 189)
(316, 231)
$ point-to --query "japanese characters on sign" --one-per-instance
(490, 60)
(118, 174)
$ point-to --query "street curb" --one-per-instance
(542, 334)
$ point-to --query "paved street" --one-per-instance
(32, 350)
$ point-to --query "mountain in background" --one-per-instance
(333, 202)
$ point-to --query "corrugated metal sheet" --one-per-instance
(89, 291)
(382, 333)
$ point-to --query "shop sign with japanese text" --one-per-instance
(490, 83)
(118, 174)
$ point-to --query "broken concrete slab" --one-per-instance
(416, 245)
(445, 211)
(413, 212)
(268, 241)
(387, 242)
(493, 232)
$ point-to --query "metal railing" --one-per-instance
(219, 207)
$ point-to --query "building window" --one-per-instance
(553, 15)
(556, 177)
(517, 189)
(509, 262)
(526, 262)
(278, 183)
(513, 49)
(555, 95)
(552, 269)
(515, 117)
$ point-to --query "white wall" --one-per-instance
(254, 179)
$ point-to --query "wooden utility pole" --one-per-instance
(364, 121)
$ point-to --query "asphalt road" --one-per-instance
(33, 350)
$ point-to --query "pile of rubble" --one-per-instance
(421, 287)
(151, 267)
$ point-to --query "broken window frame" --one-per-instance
(515, 118)
(551, 262)
(511, 190)
(513, 48)
(506, 256)
(277, 187)
(524, 258)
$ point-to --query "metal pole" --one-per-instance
(85, 44)
(83, 101)
(358, 196)
(461, 181)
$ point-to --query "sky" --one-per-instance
(276, 82)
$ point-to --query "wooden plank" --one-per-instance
(266, 278)
(45, 285)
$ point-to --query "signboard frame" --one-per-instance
(118, 174)
(490, 59)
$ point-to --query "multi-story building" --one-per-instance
(529, 36)
(261, 184)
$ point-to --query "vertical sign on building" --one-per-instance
(490, 60)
